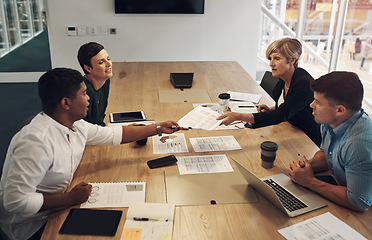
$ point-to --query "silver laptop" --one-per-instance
(279, 189)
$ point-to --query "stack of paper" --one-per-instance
(219, 143)
(153, 221)
(200, 118)
(255, 98)
(243, 107)
(115, 194)
(169, 143)
(325, 226)
(204, 164)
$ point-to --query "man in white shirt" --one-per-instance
(43, 156)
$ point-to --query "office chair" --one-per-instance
(268, 83)
(3, 236)
(27, 120)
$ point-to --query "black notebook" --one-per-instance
(91, 222)
(181, 80)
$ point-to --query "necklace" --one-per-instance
(286, 87)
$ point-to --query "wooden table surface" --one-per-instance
(135, 86)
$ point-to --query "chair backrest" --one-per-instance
(268, 82)
(1, 173)
(3, 236)
(27, 120)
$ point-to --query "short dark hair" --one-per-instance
(340, 88)
(57, 84)
(86, 52)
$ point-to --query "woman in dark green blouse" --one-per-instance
(97, 66)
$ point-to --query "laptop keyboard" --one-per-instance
(290, 202)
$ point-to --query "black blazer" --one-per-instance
(295, 109)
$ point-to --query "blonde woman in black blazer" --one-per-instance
(293, 86)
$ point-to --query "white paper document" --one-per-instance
(170, 143)
(209, 144)
(200, 118)
(322, 227)
(204, 164)
(217, 108)
(115, 194)
(242, 107)
(249, 97)
(149, 221)
(213, 106)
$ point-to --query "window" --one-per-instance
(321, 21)
(20, 21)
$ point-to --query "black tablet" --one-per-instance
(127, 117)
(182, 80)
(91, 222)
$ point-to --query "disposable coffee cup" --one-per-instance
(224, 99)
(268, 154)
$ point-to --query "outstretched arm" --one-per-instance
(230, 117)
(135, 133)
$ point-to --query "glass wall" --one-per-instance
(356, 53)
(36, 16)
(321, 20)
(24, 20)
(11, 25)
(3, 35)
(20, 21)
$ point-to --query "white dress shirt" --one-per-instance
(42, 159)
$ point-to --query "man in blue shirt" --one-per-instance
(346, 148)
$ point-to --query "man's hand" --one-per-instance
(170, 127)
(80, 193)
(301, 172)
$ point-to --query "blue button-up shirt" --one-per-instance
(348, 150)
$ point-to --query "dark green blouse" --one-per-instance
(97, 103)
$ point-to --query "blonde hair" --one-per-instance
(290, 48)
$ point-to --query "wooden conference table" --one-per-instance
(135, 86)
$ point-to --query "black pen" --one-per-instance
(246, 106)
(149, 219)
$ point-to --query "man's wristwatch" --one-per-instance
(158, 130)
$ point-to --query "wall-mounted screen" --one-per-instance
(159, 6)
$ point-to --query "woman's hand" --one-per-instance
(230, 117)
(263, 108)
